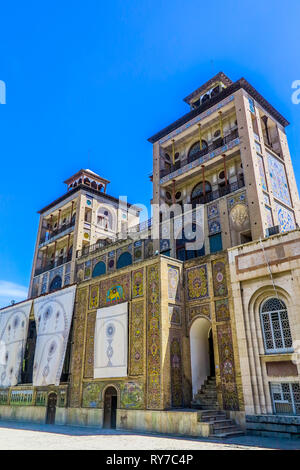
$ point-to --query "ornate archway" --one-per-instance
(202, 359)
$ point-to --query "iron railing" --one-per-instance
(54, 263)
(52, 233)
(86, 250)
(220, 192)
(215, 145)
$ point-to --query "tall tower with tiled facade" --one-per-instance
(81, 220)
(230, 153)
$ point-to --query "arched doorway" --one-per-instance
(110, 408)
(202, 354)
(51, 408)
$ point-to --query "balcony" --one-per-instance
(87, 250)
(220, 192)
(48, 236)
(217, 144)
(54, 263)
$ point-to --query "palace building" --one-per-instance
(127, 326)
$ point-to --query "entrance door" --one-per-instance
(51, 408)
(110, 408)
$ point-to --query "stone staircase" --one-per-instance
(206, 402)
(206, 398)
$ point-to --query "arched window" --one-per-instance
(198, 193)
(125, 259)
(275, 326)
(195, 149)
(99, 269)
(105, 218)
(55, 283)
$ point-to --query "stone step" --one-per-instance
(213, 418)
(220, 423)
(221, 435)
(204, 407)
(207, 391)
(225, 428)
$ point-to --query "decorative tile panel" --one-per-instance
(202, 310)
(285, 217)
(197, 284)
(78, 345)
(262, 173)
(132, 395)
(222, 310)
(138, 283)
(89, 348)
(137, 342)
(173, 283)
(219, 278)
(115, 290)
(153, 338)
(227, 367)
(176, 372)
(278, 180)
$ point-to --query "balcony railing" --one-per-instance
(53, 233)
(140, 227)
(87, 250)
(215, 145)
(54, 263)
(220, 192)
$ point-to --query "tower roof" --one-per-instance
(86, 173)
(220, 77)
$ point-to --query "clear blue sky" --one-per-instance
(102, 77)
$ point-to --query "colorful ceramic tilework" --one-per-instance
(214, 226)
(219, 278)
(115, 290)
(236, 199)
(94, 296)
(137, 338)
(203, 310)
(286, 218)
(269, 216)
(213, 210)
(175, 314)
(148, 247)
(78, 344)
(278, 180)
(227, 367)
(176, 372)
(153, 338)
(173, 283)
(89, 350)
(197, 284)
(138, 283)
(92, 395)
(262, 173)
(266, 199)
(222, 310)
(132, 395)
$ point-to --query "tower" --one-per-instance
(81, 220)
(230, 154)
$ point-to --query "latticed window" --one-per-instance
(286, 397)
(275, 326)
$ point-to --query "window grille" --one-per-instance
(275, 326)
(286, 397)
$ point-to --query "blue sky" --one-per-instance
(99, 78)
